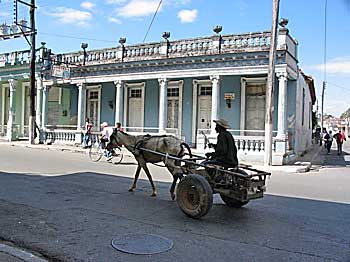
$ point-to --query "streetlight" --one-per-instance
(166, 36)
(84, 46)
(283, 22)
(122, 41)
(217, 29)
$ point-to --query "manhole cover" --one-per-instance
(142, 244)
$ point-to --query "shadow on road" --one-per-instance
(59, 213)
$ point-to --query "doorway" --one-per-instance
(255, 108)
(93, 106)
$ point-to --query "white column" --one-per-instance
(12, 111)
(81, 105)
(243, 97)
(118, 99)
(3, 97)
(215, 100)
(163, 104)
(44, 107)
(282, 106)
(39, 97)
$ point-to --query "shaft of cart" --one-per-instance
(191, 162)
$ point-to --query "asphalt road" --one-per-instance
(69, 209)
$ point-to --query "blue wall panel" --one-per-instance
(108, 103)
(73, 101)
(1, 103)
(291, 109)
(187, 102)
(231, 84)
(275, 112)
(151, 103)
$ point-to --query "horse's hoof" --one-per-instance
(172, 196)
(131, 190)
(154, 194)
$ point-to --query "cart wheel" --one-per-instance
(117, 155)
(95, 152)
(194, 196)
(231, 202)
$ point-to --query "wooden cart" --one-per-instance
(198, 183)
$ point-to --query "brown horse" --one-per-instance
(162, 144)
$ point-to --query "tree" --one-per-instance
(314, 119)
(345, 114)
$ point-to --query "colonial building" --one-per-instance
(174, 87)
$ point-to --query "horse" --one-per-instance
(166, 144)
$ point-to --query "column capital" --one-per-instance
(39, 83)
(13, 84)
(119, 83)
(46, 87)
(162, 80)
(81, 85)
(282, 75)
(215, 78)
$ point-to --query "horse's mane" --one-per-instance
(123, 132)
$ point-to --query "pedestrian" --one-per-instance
(340, 138)
(118, 126)
(328, 140)
(318, 136)
(87, 133)
(324, 133)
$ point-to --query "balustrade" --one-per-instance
(188, 47)
(16, 58)
(243, 143)
(178, 48)
(62, 136)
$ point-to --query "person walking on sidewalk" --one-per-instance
(340, 138)
(328, 140)
(87, 135)
(324, 133)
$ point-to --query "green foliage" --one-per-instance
(346, 114)
(314, 120)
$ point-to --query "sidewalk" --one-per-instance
(312, 157)
(10, 253)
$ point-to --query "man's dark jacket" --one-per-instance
(225, 149)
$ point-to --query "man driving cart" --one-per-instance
(225, 153)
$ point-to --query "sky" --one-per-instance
(64, 25)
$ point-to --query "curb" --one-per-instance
(71, 149)
(20, 254)
(298, 167)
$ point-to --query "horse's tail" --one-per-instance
(183, 146)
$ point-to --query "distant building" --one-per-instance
(173, 87)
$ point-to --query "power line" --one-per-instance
(342, 87)
(154, 16)
(81, 38)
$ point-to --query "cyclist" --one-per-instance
(104, 138)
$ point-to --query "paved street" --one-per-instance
(67, 208)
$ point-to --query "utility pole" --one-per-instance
(324, 62)
(271, 84)
(32, 120)
(322, 103)
(22, 25)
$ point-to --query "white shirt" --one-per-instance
(107, 132)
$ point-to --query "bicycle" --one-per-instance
(96, 152)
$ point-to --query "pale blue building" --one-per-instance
(178, 87)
